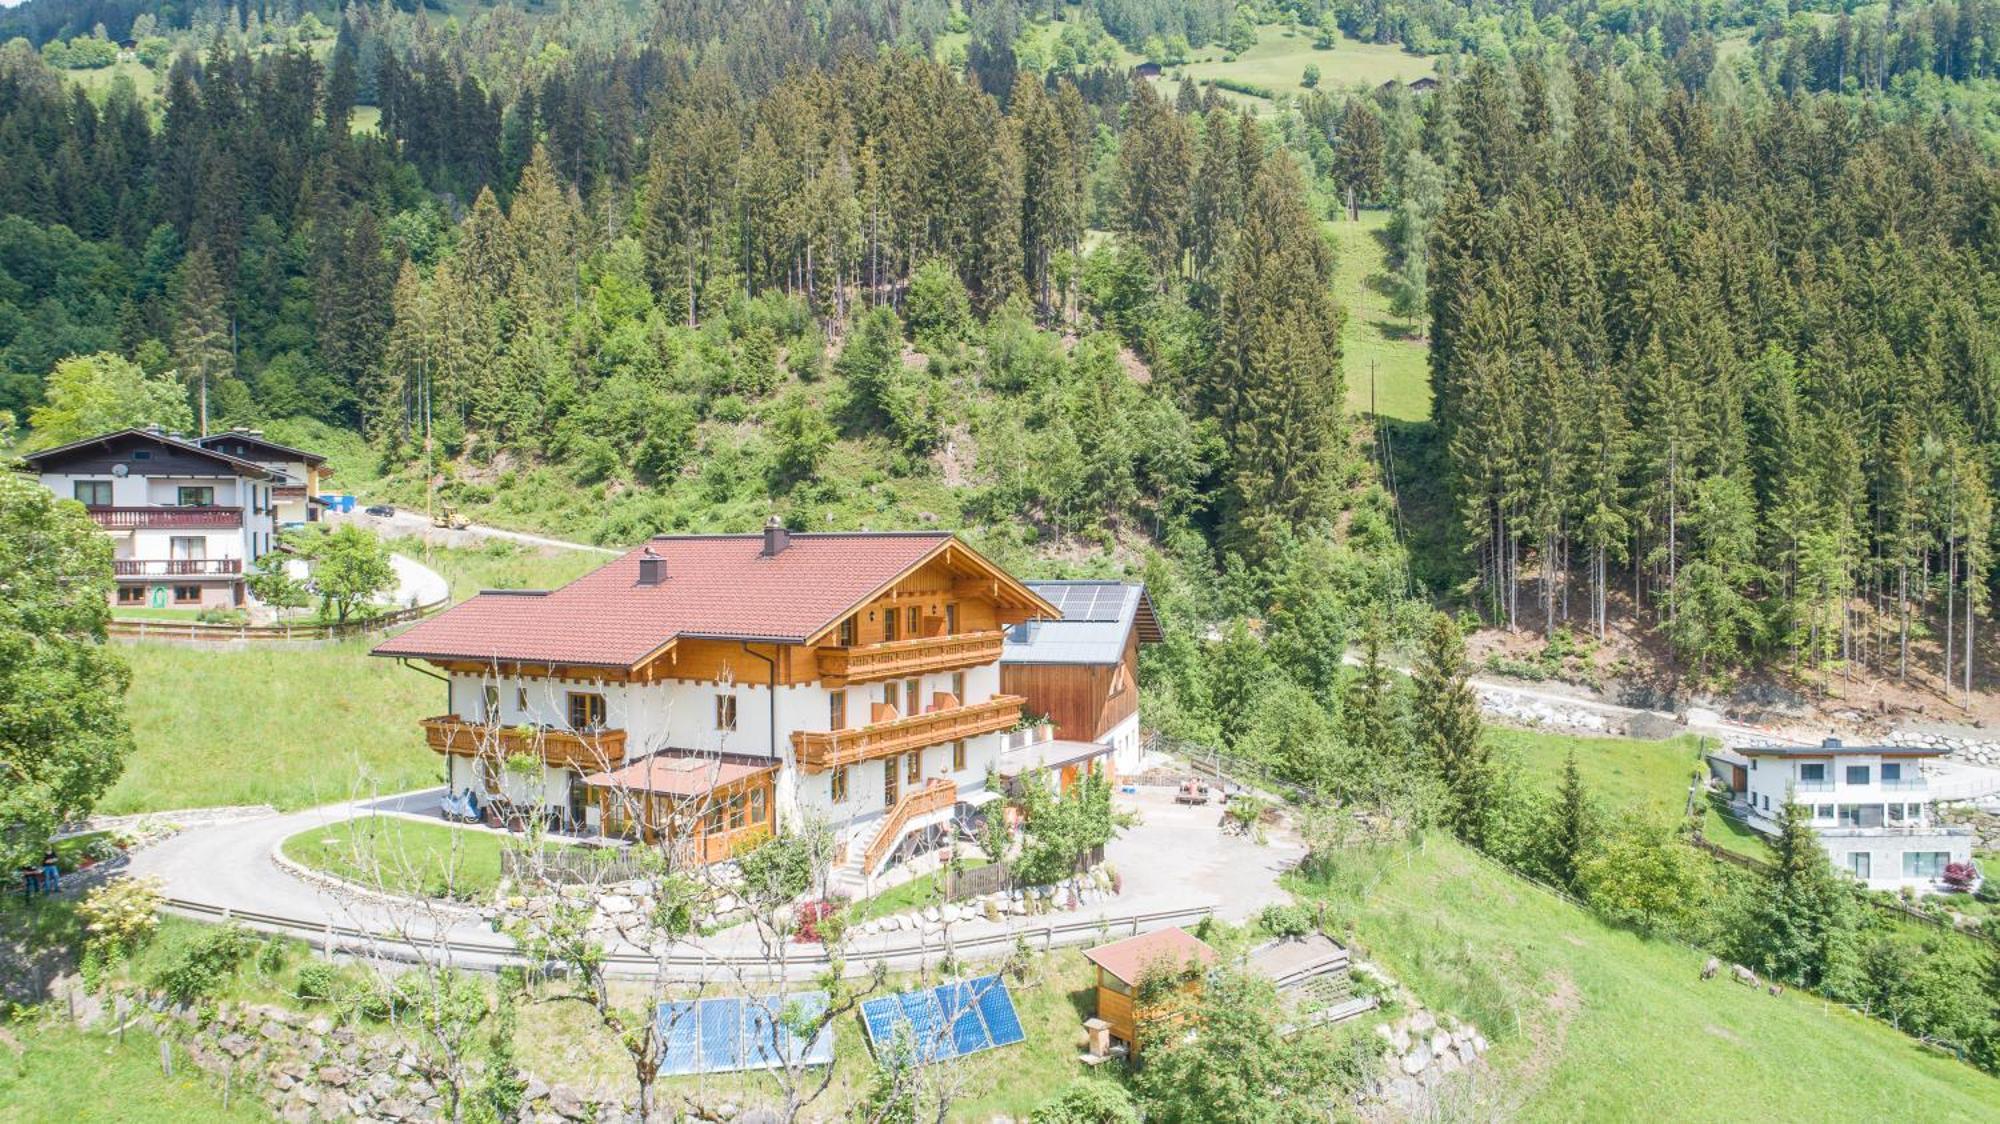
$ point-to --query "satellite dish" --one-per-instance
(121, 471)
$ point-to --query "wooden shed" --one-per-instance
(1122, 964)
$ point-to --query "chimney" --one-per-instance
(652, 568)
(776, 538)
(1830, 743)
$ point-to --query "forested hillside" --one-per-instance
(1705, 293)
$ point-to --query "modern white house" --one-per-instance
(1871, 806)
(187, 521)
(710, 689)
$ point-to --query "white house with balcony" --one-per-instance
(1871, 806)
(186, 521)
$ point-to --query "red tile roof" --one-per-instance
(717, 586)
(679, 774)
(1129, 959)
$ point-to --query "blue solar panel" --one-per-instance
(946, 1021)
(722, 1035)
(996, 1006)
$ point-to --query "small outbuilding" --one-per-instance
(1121, 965)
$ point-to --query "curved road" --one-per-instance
(1174, 860)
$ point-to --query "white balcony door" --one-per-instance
(189, 548)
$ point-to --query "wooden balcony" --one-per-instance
(150, 518)
(820, 750)
(922, 655)
(563, 749)
(939, 794)
(176, 567)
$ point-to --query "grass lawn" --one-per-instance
(501, 564)
(1629, 773)
(50, 1071)
(292, 727)
(1053, 1001)
(1374, 336)
(1595, 1023)
(920, 891)
(1620, 773)
(415, 857)
(1278, 63)
(98, 83)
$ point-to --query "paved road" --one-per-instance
(414, 524)
(416, 583)
(1175, 858)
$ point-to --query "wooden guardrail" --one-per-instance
(140, 628)
(940, 792)
(820, 750)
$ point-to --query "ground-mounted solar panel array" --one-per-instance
(947, 1021)
(724, 1035)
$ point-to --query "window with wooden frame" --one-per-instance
(914, 618)
(586, 710)
(845, 635)
(187, 595)
(836, 710)
(521, 699)
(93, 493)
(840, 785)
(958, 756)
(916, 766)
(889, 621)
(951, 618)
(736, 811)
(913, 697)
(489, 704)
(725, 712)
(958, 686)
(758, 810)
(189, 496)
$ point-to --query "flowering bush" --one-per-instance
(122, 914)
(1959, 877)
(818, 922)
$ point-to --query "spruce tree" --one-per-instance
(201, 331)
(1279, 382)
(1449, 733)
(1806, 919)
(1572, 826)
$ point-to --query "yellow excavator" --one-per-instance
(449, 519)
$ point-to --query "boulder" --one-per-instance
(235, 1045)
(1422, 1021)
(1417, 1060)
(616, 903)
(568, 1103)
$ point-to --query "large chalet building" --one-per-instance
(188, 518)
(711, 688)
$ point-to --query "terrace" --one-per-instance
(157, 518)
(176, 567)
(558, 748)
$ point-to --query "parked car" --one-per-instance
(381, 509)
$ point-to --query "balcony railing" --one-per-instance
(939, 794)
(920, 655)
(563, 749)
(176, 567)
(149, 518)
(1813, 786)
(820, 750)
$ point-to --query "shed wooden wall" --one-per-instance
(1077, 697)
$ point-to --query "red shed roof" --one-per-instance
(1172, 947)
(715, 586)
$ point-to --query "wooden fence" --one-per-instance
(136, 628)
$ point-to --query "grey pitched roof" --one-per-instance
(1097, 616)
(241, 466)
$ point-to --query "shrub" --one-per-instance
(814, 920)
(937, 310)
(1959, 877)
(200, 966)
(1286, 920)
(318, 982)
(1086, 1101)
(122, 914)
